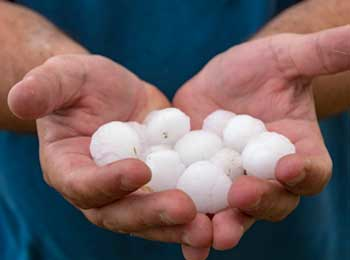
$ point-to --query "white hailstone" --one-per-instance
(141, 131)
(207, 185)
(230, 162)
(240, 129)
(166, 126)
(166, 168)
(155, 148)
(197, 146)
(114, 141)
(262, 153)
(217, 121)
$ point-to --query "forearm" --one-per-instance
(26, 41)
(332, 93)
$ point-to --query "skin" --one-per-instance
(271, 79)
(308, 17)
(71, 96)
(63, 95)
(23, 33)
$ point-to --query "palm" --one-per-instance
(270, 79)
(72, 96)
(91, 91)
(96, 91)
(253, 79)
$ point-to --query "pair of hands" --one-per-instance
(72, 95)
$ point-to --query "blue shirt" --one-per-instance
(165, 43)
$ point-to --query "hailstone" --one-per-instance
(207, 185)
(155, 148)
(217, 121)
(240, 129)
(166, 168)
(262, 153)
(166, 126)
(230, 162)
(114, 141)
(141, 131)
(197, 146)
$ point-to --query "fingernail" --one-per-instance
(146, 189)
(185, 239)
(164, 217)
(122, 231)
(127, 185)
(297, 179)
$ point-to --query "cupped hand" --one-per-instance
(271, 79)
(71, 96)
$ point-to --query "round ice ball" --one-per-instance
(141, 131)
(166, 168)
(229, 161)
(155, 148)
(207, 185)
(197, 146)
(114, 141)
(166, 126)
(262, 153)
(217, 121)
(240, 129)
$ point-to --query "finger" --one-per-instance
(229, 226)
(262, 199)
(197, 233)
(52, 85)
(311, 55)
(193, 253)
(304, 175)
(78, 179)
(143, 211)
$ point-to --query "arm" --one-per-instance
(280, 93)
(332, 93)
(26, 41)
(70, 96)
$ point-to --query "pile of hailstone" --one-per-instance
(202, 163)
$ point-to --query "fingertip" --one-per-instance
(199, 232)
(244, 192)
(306, 175)
(191, 253)
(26, 102)
(290, 169)
(227, 232)
(134, 173)
(181, 209)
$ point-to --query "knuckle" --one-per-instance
(281, 53)
(57, 60)
(61, 58)
(286, 209)
(319, 46)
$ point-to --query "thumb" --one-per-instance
(311, 55)
(53, 85)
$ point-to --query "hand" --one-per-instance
(270, 79)
(71, 96)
